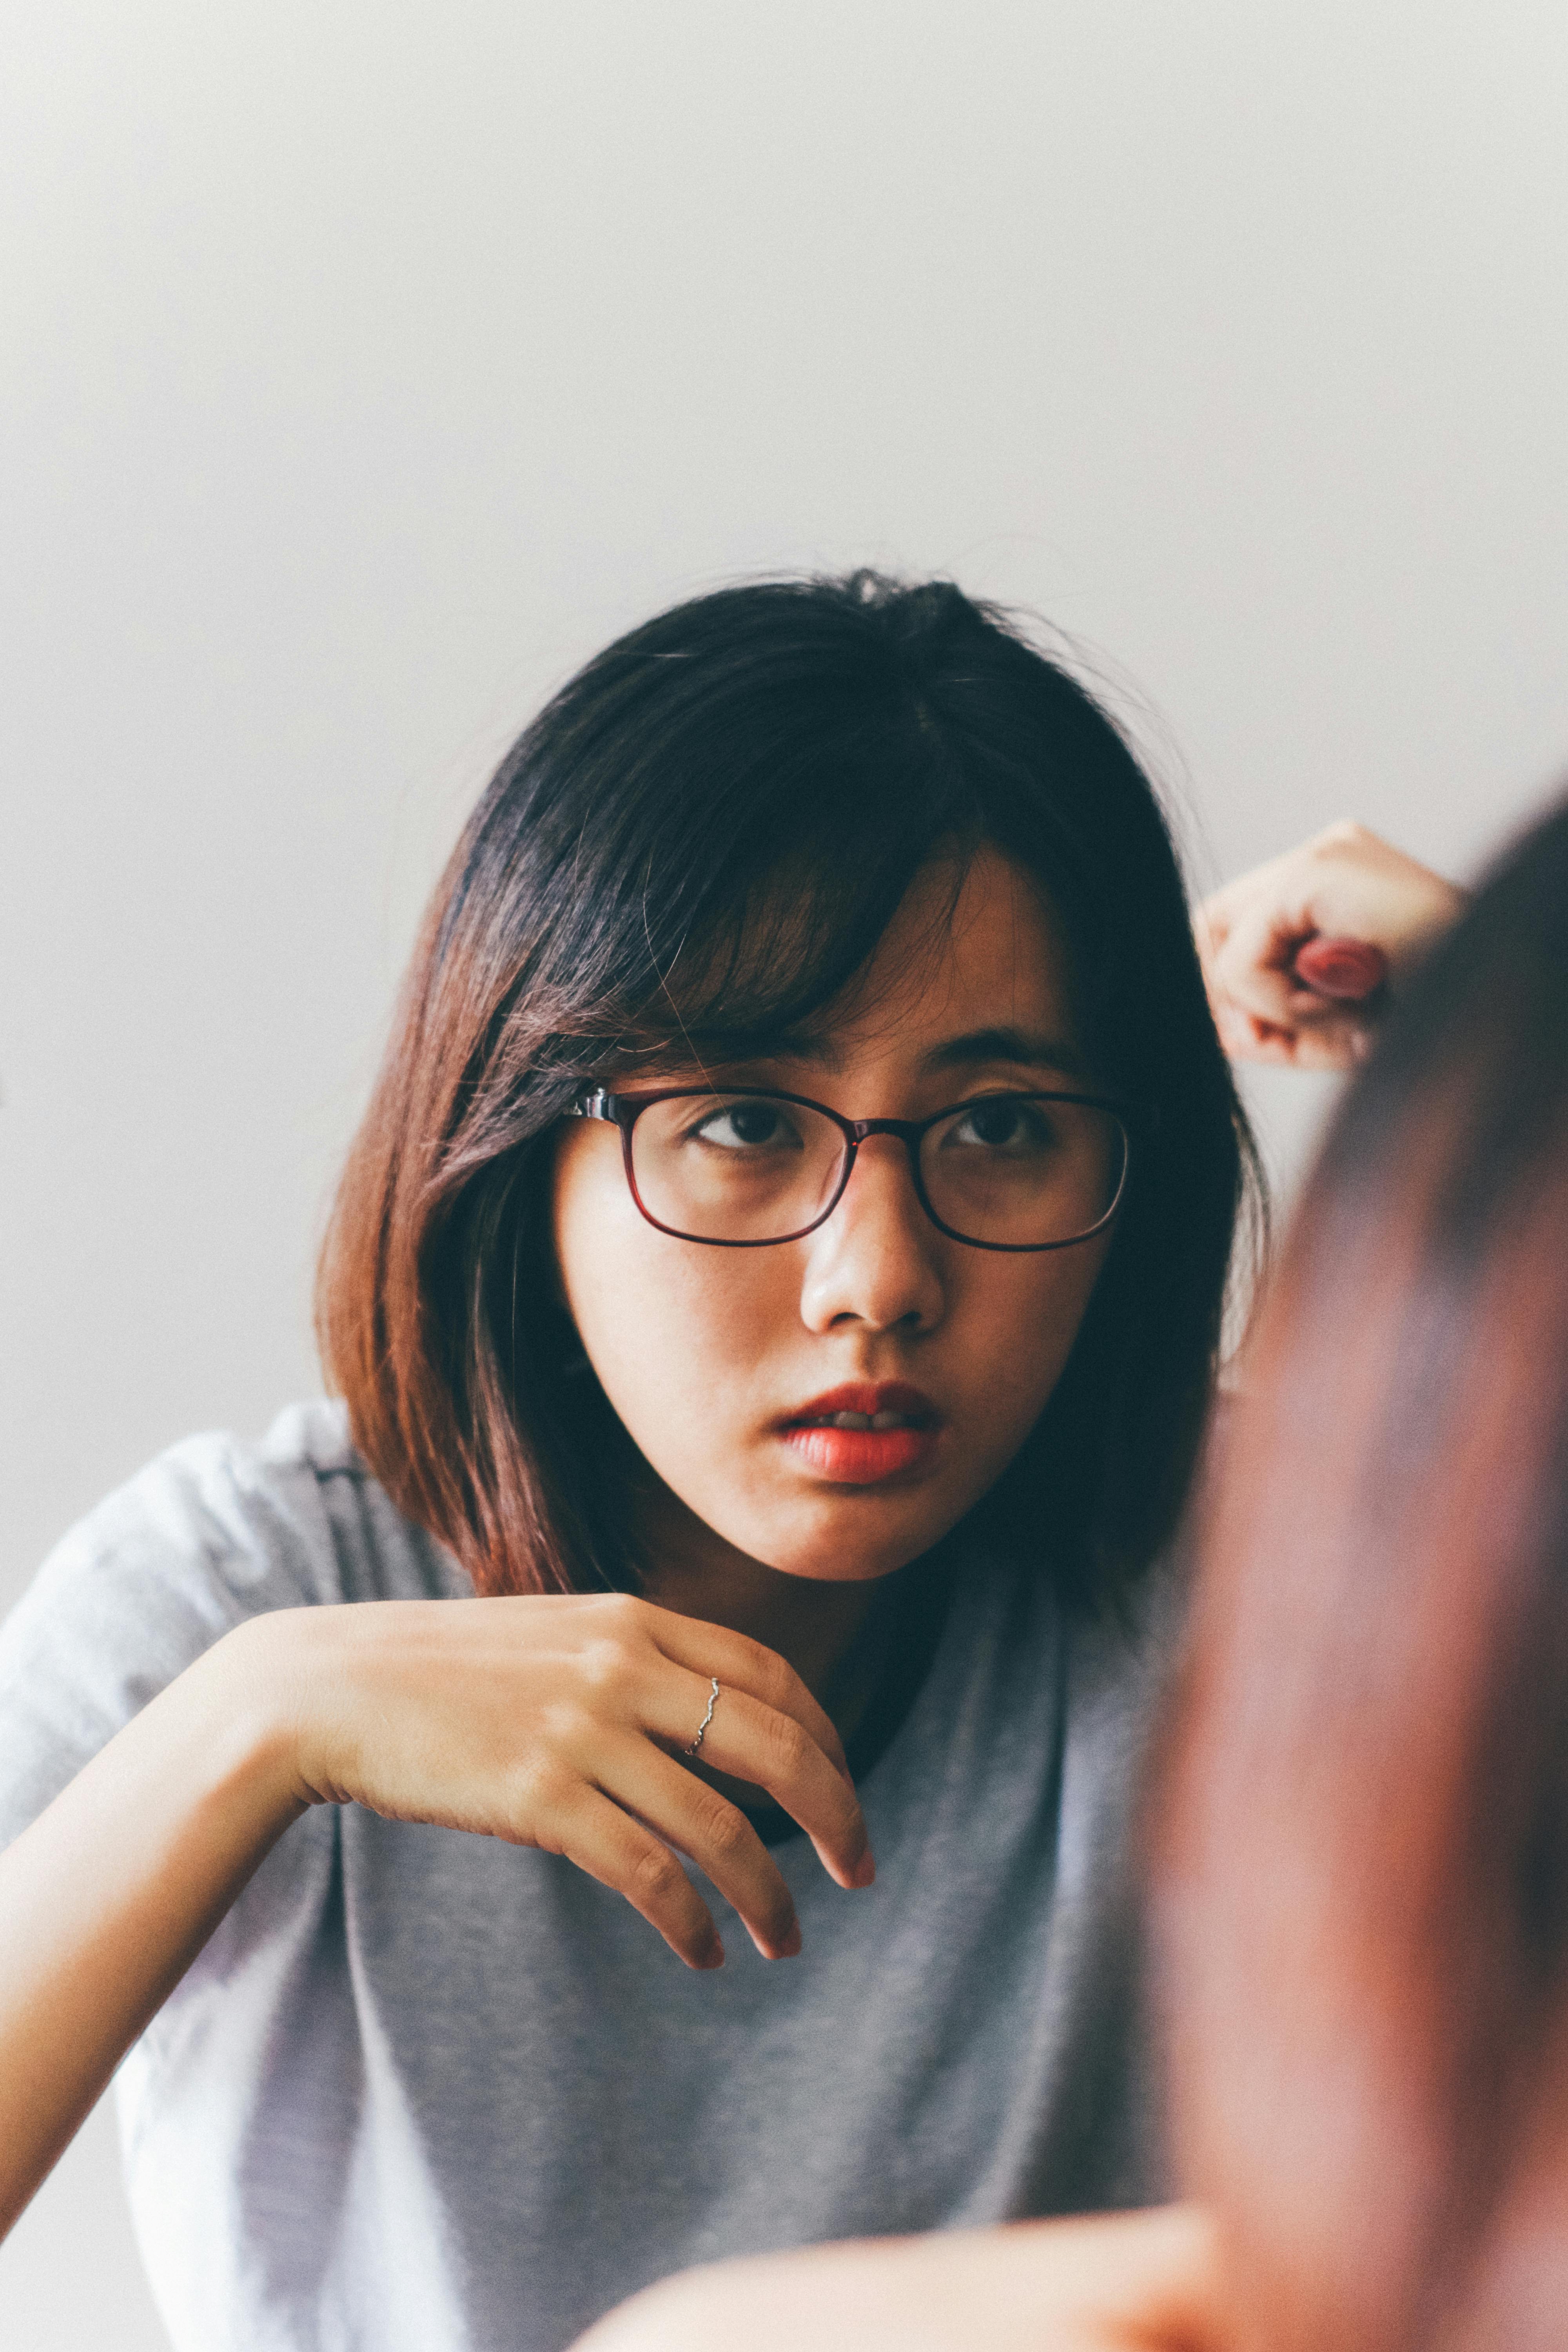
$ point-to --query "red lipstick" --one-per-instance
(865, 1432)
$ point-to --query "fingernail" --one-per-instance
(865, 1870)
(711, 1956)
(791, 1943)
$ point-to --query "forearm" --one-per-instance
(1144, 2282)
(109, 1894)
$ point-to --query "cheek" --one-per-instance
(1024, 1317)
(675, 1333)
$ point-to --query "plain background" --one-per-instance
(365, 367)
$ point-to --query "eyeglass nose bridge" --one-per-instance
(907, 1130)
(855, 1131)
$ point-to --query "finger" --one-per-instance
(1214, 915)
(1341, 1045)
(1340, 1042)
(716, 1835)
(1261, 1042)
(1254, 967)
(1277, 995)
(1255, 962)
(742, 1664)
(604, 1839)
(753, 1741)
(1244, 1039)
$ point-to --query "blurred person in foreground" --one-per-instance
(1360, 1832)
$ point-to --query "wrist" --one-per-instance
(249, 1691)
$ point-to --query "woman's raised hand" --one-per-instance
(561, 1722)
(1345, 884)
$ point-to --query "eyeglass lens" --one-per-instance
(1015, 1170)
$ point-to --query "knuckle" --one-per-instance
(609, 1669)
(567, 1728)
(655, 1879)
(789, 1747)
(725, 1830)
(763, 1669)
(784, 1686)
(540, 1797)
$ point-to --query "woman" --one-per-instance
(1362, 1834)
(780, 1274)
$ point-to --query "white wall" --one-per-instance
(366, 366)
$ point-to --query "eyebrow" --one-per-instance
(1031, 1047)
(1028, 1048)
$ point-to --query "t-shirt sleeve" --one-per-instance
(211, 1533)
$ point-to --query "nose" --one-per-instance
(876, 1260)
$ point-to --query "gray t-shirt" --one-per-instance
(425, 2090)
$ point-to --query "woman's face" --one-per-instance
(714, 1358)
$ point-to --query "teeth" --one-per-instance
(850, 1421)
(889, 1420)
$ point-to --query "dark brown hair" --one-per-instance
(701, 840)
(1365, 1836)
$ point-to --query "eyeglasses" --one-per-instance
(1001, 1172)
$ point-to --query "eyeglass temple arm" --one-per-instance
(596, 1104)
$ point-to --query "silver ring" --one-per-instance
(702, 1732)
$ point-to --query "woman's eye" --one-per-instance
(745, 1126)
(1002, 1125)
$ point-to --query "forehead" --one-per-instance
(972, 968)
(970, 947)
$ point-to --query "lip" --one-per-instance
(863, 1457)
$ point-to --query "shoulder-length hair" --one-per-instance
(1365, 1836)
(697, 844)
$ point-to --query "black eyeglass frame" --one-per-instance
(625, 1110)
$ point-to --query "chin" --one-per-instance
(849, 1554)
(814, 1570)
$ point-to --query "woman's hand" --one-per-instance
(552, 1722)
(1345, 884)
(561, 1722)
(1117, 2283)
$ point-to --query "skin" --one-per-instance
(1151, 2282)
